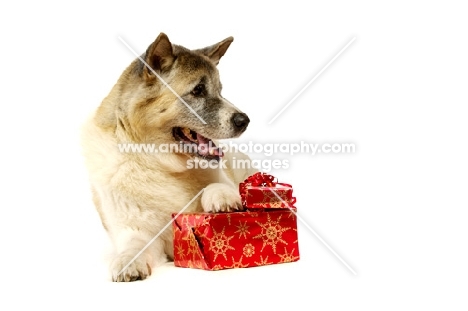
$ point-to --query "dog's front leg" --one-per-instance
(131, 228)
(133, 259)
(221, 196)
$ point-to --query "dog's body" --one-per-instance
(135, 193)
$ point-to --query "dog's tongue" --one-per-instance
(207, 147)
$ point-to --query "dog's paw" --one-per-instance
(137, 270)
(219, 197)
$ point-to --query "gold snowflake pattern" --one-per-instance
(185, 221)
(219, 243)
(180, 252)
(263, 262)
(193, 247)
(201, 234)
(217, 267)
(188, 222)
(286, 257)
(271, 199)
(238, 264)
(228, 216)
(292, 213)
(271, 233)
(242, 229)
(248, 250)
(296, 235)
(198, 264)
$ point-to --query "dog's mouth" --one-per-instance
(197, 144)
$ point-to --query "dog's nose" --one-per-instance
(240, 120)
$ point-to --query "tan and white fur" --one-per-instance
(135, 193)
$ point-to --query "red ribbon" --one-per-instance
(261, 180)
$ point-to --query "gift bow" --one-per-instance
(260, 179)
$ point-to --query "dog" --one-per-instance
(164, 97)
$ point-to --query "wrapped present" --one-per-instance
(262, 191)
(262, 235)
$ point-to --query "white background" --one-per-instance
(396, 210)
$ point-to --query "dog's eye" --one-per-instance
(199, 90)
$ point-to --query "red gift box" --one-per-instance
(262, 191)
(256, 237)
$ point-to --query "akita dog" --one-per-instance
(163, 98)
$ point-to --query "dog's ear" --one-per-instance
(159, 56)
(216, 51)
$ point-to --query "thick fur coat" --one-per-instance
(136, 192)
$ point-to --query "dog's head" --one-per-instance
(174, 96)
